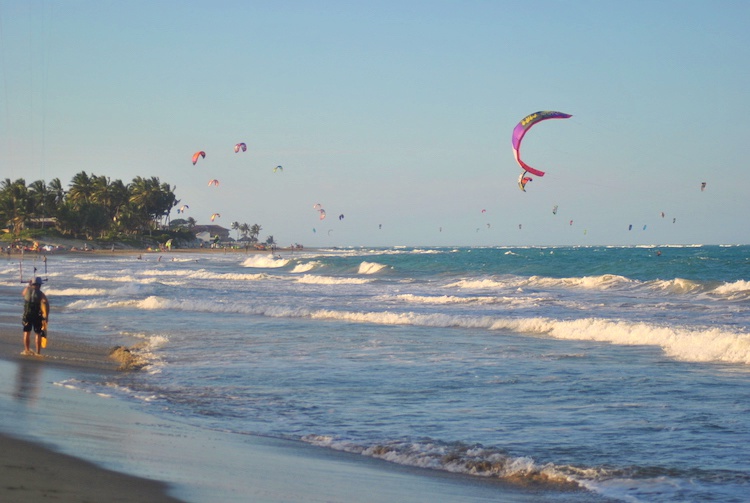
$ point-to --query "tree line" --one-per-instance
(93, 207)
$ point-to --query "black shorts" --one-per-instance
(35, 324)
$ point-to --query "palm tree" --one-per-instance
(155, 200)
(244, 229)
(254, 232)
(38, 197)
(81, 189)
(236, 227)
(56, 195)
(14, 204)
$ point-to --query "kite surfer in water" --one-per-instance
(35, 313)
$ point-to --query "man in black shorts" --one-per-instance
(35, 311)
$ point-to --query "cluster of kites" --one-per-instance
(201, 154)
(519, 132)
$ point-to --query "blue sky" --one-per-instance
(397, 115)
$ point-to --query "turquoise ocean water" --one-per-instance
(613, 369)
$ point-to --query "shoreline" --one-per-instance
(79, 445)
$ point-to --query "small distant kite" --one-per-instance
(278, 168)
(341, 217)
(322, 213)
(571, 222)
(554, 210)
(213, 182)
(240, 146)
(182, 208)
(630, 227)
(215, 216)
(197, 155)
(703, 186)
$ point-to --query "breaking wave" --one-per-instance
(707, 344)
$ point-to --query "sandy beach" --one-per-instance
(73, 446)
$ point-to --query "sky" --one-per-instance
(397, 115)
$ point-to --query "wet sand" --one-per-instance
(31, 472)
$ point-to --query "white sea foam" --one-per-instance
(123, 278)
(709, 344)
(603, 282)
(202, 274)
(147, 350)
(370, 268)
(454, 458)
(74, 292)
(484, 284)
(265, 262)
(452, 299)
(312, 279)
(148, 303)
(677, 285)
(305, 267)
(587, 282)
(737, 290)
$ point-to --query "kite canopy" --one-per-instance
(525, 125)
(240, 146)
(200, 154)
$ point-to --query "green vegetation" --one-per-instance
(97, 208)
(94, 207)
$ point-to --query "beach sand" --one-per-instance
(123, 454)
(30, 472)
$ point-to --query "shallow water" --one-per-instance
(611, 368)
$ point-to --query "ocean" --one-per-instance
(624, 371)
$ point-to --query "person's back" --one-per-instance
(32, 307)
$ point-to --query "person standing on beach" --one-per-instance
(35, 304)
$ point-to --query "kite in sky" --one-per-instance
(199, 154)
(703, 186)
(215, 216)
(213, 182)
(278, 168)
(240, 146)
(523, 180)
(518, 133)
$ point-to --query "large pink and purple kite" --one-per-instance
(520, 131)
